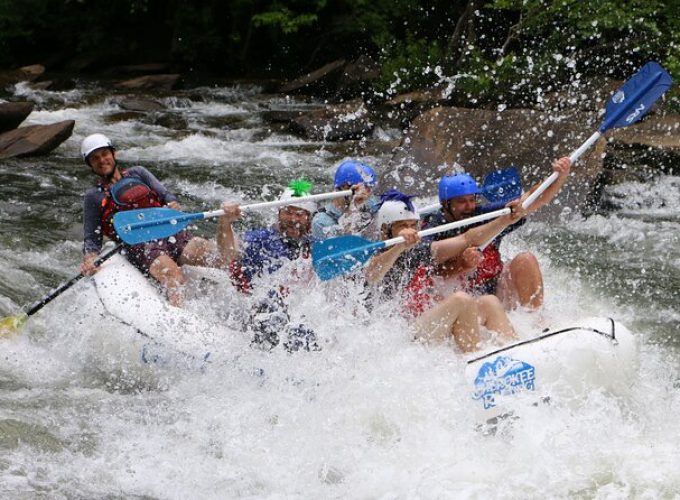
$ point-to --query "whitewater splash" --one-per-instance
(373, 414)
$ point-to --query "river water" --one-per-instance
(373, 414)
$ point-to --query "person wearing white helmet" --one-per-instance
(120, 189)
(520, 281)
(406, 269)
(269, 261)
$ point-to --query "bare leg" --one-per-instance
(521, 283)
(202, 252)
(170, 276)
(492, 316)
(455, 316)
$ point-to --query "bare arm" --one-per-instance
(465, 262)
(227, 243)
(379, 265)
(562, 167)
(451, 248)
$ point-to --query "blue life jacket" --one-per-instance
(265, 251)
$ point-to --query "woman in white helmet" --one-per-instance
(406, 268)
(124, 189)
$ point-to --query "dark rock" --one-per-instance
(55, 84)
(281, 115)
(124, 116)
(13, 113)
(335, 123)
(402, 109)
(172, 121)
(24, 74)
(141, 69)
(150, 82)
(357, 76)
(44, 85)
(146, 105)
(644, 150)
(35, 139)
(483, 140)
(660, 131)
(32, 72)
(589, 95)
(416, 98)
(323, 79)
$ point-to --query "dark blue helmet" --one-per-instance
(354, 172)
(452, 186)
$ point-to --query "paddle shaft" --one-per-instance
(575, 155)
(39, 304)
(606, 125)
(429, 209)
(451, 225)
(253, 206)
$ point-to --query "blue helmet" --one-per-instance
(354, 172)
(452, 186)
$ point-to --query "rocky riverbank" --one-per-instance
(433, 132)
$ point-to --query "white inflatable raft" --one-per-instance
(562, 364)
(126, 295)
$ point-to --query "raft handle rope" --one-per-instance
(611, 336)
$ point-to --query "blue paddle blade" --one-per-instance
(502, 186)
(636, 97)
(338, 256)
(146, 224)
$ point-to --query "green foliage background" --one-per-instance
(496, 50)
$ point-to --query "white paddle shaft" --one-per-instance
(553, 177)
(429, 209)
(281, 203)
(575, 155)
(452, 225)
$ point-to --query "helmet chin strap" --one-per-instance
(447, 210)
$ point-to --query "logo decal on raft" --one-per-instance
(503, 377)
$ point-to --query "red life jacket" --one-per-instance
(418, 293)
(128, 193)
(489, 268)
(238, 277)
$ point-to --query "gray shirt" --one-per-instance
(93, 209)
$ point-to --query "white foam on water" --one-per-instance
(662, 195)
(213, 150)
(373, 414)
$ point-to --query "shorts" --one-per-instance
(487, 287)
(142, 255)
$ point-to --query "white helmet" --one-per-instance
(92, 142)
(298, 201)
(392, 211)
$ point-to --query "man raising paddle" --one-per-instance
(520, 282)
(134, 188)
